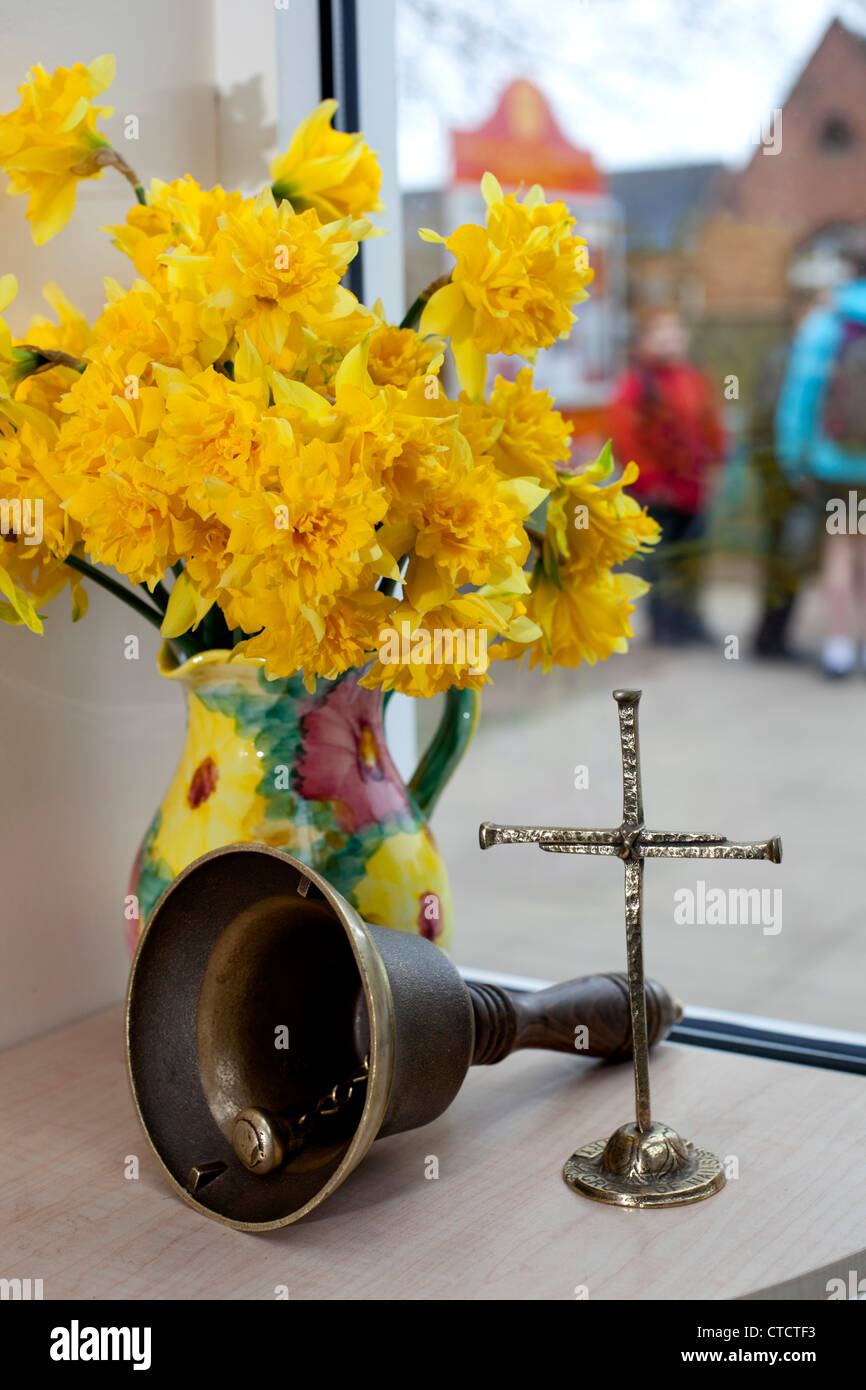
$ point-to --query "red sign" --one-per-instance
(521, 143)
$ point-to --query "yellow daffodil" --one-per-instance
(449, 642)
(317, 523)
(398, 356)
(50, 140)
(469, 520)
(206, 560)
(14, 366)
(533, 438)
(513, 284)
(70, 334)
(293, 547)
(39, 533)
(270, 269)
(27, 466)
(330, 171)
(177, 214)
(142, 327)
(128, 517)
(107, 419)
(209, 432)
(322, 641)
(239, 414)
(127, 521)
(595, 527)
(581, 619)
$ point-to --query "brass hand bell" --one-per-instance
(272, 1035)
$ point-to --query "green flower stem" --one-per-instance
(214, 631)
(112, 586)
(105, 156)
(31, 360)
(118, 162)
(413, 313)
(159, 595)
(186, 644)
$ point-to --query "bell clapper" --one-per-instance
(263, 1141)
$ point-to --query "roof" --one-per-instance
(658, 204)
(521, 143)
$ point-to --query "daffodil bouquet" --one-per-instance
(279, 468)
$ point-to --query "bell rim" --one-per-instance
(380, 1007)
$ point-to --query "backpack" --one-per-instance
(845, 404)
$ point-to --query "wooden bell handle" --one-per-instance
(556, 1018)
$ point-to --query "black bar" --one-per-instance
(326, 49)
(338, 78)
(349, 63)
(185, 1342)
(778, 1047)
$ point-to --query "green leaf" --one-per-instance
(550, 560)
(605, 460)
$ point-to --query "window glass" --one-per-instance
(710, 154)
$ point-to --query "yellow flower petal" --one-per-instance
(20, 603)
(50, 209)
(101, 72)
(471, 366)
(186, 608)
(491, 190)
(8, 291)
(442, 311)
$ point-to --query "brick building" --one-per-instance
(733, 248)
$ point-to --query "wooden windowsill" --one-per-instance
(498, 1223)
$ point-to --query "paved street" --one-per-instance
(738, 747)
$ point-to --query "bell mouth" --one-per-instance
(255, 984)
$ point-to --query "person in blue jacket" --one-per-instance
(821, 444)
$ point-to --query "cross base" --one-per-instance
(654, 1168)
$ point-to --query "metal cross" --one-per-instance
(632, 843)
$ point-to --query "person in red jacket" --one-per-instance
(665, 418)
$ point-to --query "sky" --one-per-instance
(638, 82)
